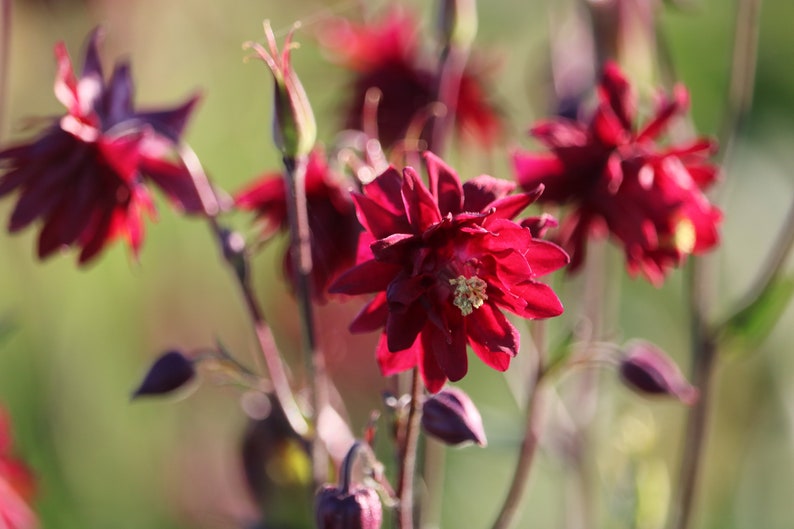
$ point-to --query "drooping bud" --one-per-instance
(359, 508)
(538, 226)
(345, 506)
(648, 370)
(169, 372)
(451, 417)
(294, 127)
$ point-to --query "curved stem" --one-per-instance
(267, 344)
(407, 460)
(534, 420)
(704, 347)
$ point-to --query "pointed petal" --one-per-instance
(175, 181)
(392, 363)
(372, 317)
(492, 337)
(480, 191)
(444, 184)
(369, 276)
(420, 207)
(377, 220)
(432, 374)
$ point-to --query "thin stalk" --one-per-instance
(407, 459)
(267, 344)
(5, 51)
(453, 63)
(295, 179)
(533, 425)
(704, 356)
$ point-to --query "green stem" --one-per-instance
(533, 424)
(704, 347)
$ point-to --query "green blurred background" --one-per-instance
(75, 342)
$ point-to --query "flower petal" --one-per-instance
(444, 184)
(420, 208)
(492, 337)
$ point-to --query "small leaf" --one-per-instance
(169, 372)
(752, 324)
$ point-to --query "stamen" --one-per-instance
(469, 293)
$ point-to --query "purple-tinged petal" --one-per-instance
(451, 417)
(403, 326)
(431, 373)
(394, 248)
(449, 347)
(615, 92)
(481, 191)
(648, 370)
(168, 373)
(170, 122)
(118, 96)
(386, 190)
(175, 181)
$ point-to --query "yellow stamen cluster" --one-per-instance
(469, 293)
(684, 236)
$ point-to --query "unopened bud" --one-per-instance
(169, 372)
(458, 22)
(294, 127)
(345, 506)
(451, 417)
(648, 370)
(359, 508)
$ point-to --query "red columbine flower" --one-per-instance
(621, 181)
(387, 55)
(16, 485)
(445, 262)
(85, 176)
(332, 218)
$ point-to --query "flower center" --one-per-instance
(469, 293)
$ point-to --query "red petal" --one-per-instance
(444, 184)
(369, 276)
(392, 363)
(432, 374)
(492, 337)
(377, 220)
(420, 207)
(545, 257)
(372, 317)
(480, 191)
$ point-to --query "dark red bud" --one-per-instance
(451, 417)
(168, 373)
(648, 370)
(359, 508)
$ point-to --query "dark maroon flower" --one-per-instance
(17, 486)
(387, 55)
(171, 371)
(85, 176)
(451, 417)
(445, 262)
(648, 370)
(332, 218)
(621, 181)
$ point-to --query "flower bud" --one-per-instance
(648, 370)
(458, 22)
(168, 373)
(336, 508)
(294, 127)
(451, 417)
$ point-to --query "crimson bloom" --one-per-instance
(445, 262)
(85, 176)
(16, 485)
(386, 55)
(619, 180)
(332, 218)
